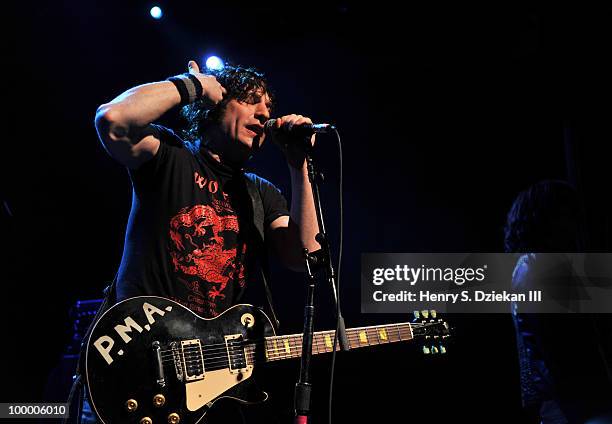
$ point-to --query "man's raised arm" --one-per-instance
(122, 124)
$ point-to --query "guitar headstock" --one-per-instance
(427, 325)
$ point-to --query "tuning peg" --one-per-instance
(426, 350)
(417, 315)
(434, 350)
(425, 313)
(442, 349)
(433, 313)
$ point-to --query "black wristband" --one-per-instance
(197, 84)
(182, 89)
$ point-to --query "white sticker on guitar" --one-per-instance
(105, 343)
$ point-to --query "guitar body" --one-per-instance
(150, 357)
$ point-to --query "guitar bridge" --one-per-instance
(178, 363)
(237, 358)
(193, 360)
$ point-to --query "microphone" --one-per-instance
(302, 130)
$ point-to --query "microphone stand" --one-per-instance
(320, 259)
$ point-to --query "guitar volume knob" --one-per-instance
(174, 418)
(159, 401)
(131, 405)
(146, 420)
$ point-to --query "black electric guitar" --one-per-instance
(151, 360)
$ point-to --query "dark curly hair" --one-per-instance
(546, 217)
(242, 84)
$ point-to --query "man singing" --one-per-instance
(191, 235)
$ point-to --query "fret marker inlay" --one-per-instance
(383, 334)
(328, 341)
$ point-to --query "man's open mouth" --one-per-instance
(257, 129)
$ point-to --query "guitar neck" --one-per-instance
(290, 346)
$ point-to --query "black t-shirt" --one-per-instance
(190, 236)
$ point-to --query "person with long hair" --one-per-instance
(564, 370)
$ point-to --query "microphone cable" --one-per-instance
(333, 362)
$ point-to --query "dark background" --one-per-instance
(445, 113)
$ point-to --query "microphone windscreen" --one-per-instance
(270, 125)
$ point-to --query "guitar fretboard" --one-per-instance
(290, 346)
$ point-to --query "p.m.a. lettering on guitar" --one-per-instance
(149, 358)
(105, 343)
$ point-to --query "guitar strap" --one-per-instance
(258, 223)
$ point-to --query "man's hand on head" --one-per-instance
(213, 91)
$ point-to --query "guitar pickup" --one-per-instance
(193, 360)
(237, 358)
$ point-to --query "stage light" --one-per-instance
(214, 63)
(156, 12)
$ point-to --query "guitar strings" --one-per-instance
(209, 350)
(212, 363)
(249, 357)
(206, 349)
(281, 339)
(211, 359)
